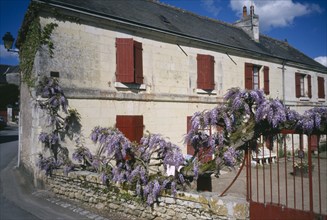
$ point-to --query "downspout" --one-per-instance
(19, 123)
(283, 81)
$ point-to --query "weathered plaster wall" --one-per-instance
(84, 56)
(86, 187)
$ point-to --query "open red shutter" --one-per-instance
(321, 87)
(205, 67)
(266, 80)
(138, 62)
(248, 76)
(190, 149)
(131, 126)
(124, 60)
(297, 85)
(309, 86)
(139, 127)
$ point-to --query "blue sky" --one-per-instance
(302, 22)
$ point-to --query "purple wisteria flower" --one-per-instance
(49, 88)
(48, 164)
(230, 156)
(273, 111)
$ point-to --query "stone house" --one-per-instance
(145, 66)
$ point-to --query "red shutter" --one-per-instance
(309, 86)
(297, 85)
(205, 66)
(190, 149)
(124, 60)
(266, 80)
(138, 62)
(131, 126)
(321, 87)
(248, 76)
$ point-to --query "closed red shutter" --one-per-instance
(248, 76)
(124, 60)
(309, 86)
(321, 87)
(266, 80)
(297, 85)
(205, 67)
(190, 149)
(131, 126)
(138, 62)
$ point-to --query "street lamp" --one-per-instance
(8, 41)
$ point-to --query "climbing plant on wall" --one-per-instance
(62, 122)
(31, 39)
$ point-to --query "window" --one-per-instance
(255, 77)
(129, 61)
(321, 87)
(252, 77)
(131, 126)
(302, 85)
(206, 78)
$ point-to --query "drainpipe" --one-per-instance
(283, 81)
(19, 123)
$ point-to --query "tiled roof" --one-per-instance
(152, 14)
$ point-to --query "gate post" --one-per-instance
(248, 166)
(310, 173)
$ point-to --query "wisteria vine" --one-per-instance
(62, 122)
(220, 134)
(136, 166)
(244, 116)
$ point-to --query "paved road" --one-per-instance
(19, 200)
(8, 151)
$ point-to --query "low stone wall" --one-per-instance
(86, 187)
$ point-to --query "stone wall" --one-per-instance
(86, 187)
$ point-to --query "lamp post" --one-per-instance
(8, 41)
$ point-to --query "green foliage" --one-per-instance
(28, 51)
(31, 37)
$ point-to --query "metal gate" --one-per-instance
(287, 176)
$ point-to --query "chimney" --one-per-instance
(251, 10)
(245, 11)
(249, 23)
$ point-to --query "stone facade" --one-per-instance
(86, 187)
(85, 57)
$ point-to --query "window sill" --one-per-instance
(321, 100)
(304, 99)
(120, 85)
(208, 92)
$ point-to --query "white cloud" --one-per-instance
(209, 6)
(322, 60)
(275, 13)
(5, 54)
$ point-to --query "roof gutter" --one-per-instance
(140, 25)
